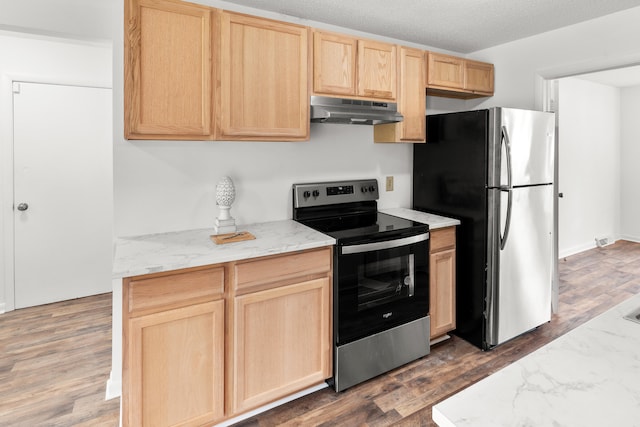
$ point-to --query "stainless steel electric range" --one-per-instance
(380, 278)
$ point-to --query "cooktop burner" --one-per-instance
(347, 211)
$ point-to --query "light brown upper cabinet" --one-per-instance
(346, 66)
(376, 69)
(455, 77)
(411, 101)
(479, 77)
(264, 91)
(445, 70)
(334, 64)
(168, 70)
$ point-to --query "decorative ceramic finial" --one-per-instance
(225, 196)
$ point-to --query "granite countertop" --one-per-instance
(154, 253)
(434, 221)
(587, 377)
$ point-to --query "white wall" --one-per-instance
(86, 19)
(165, 186)
(32, 58)
(589, 164)
(630, 160)
(607, 42)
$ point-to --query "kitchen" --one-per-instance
(176, 190)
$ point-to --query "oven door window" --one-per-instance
(383, 280)
(380, 289)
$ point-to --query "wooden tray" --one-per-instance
(239, 236)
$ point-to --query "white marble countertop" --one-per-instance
(587, 377)
(434, 221)
(182, 249)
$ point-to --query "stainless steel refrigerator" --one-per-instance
(493, 170)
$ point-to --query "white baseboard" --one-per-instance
(2, 307)
(634, 239)
(114, 387)
(272, 405)
(563, 253)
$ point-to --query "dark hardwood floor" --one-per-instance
(55, 359)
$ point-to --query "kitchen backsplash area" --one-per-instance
(172, 184)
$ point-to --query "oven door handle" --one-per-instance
(387, 244)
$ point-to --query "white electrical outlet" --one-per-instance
(389, 183)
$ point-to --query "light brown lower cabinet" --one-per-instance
(177, 366)
(205, 344)
(280, 342)
(442, 281)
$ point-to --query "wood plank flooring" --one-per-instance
(55, 359)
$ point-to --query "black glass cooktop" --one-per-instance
(366, 226)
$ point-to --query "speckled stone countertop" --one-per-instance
(434, 221)
(588, 377)
(154, 253)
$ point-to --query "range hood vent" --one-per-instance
(353, 111)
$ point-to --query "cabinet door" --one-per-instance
(281, 342)
(168, 70)
(445, 70)
(175, 361)
(334, 64)
(411, 101)
(376, 70)
(442, 292)
(479, 77)
(264, 81)
(412, 95)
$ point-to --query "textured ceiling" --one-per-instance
(463, 26)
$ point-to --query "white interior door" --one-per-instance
(63, 192)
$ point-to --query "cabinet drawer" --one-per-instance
(253, 274)
(443, 238)
(147, 293)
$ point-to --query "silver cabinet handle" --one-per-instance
(23, 207)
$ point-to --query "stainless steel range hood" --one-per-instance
(353, 111)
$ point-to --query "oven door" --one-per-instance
(380, 284)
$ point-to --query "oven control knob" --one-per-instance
(364, 189)
(372, 188)
(306, 194)
(316, 193)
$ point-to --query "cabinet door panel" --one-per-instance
(282, 342)
(176, 367)
(168, 70)
(445, 70)
(264, 90)
(442, 292)
(412, 98)
(334, 64)
(376, 69)
(479, 76)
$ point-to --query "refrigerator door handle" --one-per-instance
(507, 225)
(507, 147)
(504, 235)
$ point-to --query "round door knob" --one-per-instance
(23, 207)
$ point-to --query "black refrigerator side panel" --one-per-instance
(449, 179)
